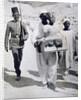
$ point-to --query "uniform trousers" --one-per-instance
(17, 56)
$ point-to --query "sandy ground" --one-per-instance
(30, 85)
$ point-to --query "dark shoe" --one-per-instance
(18, 78)
(76, 59)
(51, 86)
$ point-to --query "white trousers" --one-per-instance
(47, 66)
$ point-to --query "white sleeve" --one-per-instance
(34, 34)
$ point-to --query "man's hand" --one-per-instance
(6, 49)
(35, 44)
(25, 38)
(38, 43)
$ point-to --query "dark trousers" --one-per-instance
(17, 55)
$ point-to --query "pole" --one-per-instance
(20, 12)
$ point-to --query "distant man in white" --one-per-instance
(69, 42)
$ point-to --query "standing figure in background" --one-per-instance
(17, 30)
(69, 39)
(46, 61)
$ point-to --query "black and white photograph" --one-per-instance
(40, 49)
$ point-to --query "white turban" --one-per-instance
(43, 11)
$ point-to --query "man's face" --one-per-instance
(44, 16)
(16, 16)
(66, 25)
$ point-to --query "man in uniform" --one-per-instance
(17, 30)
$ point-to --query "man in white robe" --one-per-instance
(69, 43)
(46, 61)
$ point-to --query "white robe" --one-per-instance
(68, 41)
(47, 62)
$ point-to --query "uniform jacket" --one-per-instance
(13, 32)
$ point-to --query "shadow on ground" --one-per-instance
(64, 85)
(61, 85)
(34, 73)
(22, 83)
(30, 82)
